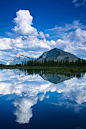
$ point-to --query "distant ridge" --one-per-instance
(57, 55)
(19, 59)
(53, 54)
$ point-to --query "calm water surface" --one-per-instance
(41, 101)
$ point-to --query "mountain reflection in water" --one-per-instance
(69, 92)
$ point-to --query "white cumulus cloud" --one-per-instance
(5, 43)
(41, 34)
(24, 23)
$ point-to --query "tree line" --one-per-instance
(79, 62)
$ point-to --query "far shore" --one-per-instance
(68, 70)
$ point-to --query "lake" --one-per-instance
(41, 101)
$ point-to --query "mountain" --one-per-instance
(57, 55)
(54, 78)
(19, 59)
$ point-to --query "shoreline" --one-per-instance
(68, 70)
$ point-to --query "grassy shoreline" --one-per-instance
(43, 67)
(69, 70)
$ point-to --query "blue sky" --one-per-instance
(31, 27)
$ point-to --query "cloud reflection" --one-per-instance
(31, 88)
(23, 110)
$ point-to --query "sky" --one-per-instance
(31, 27)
